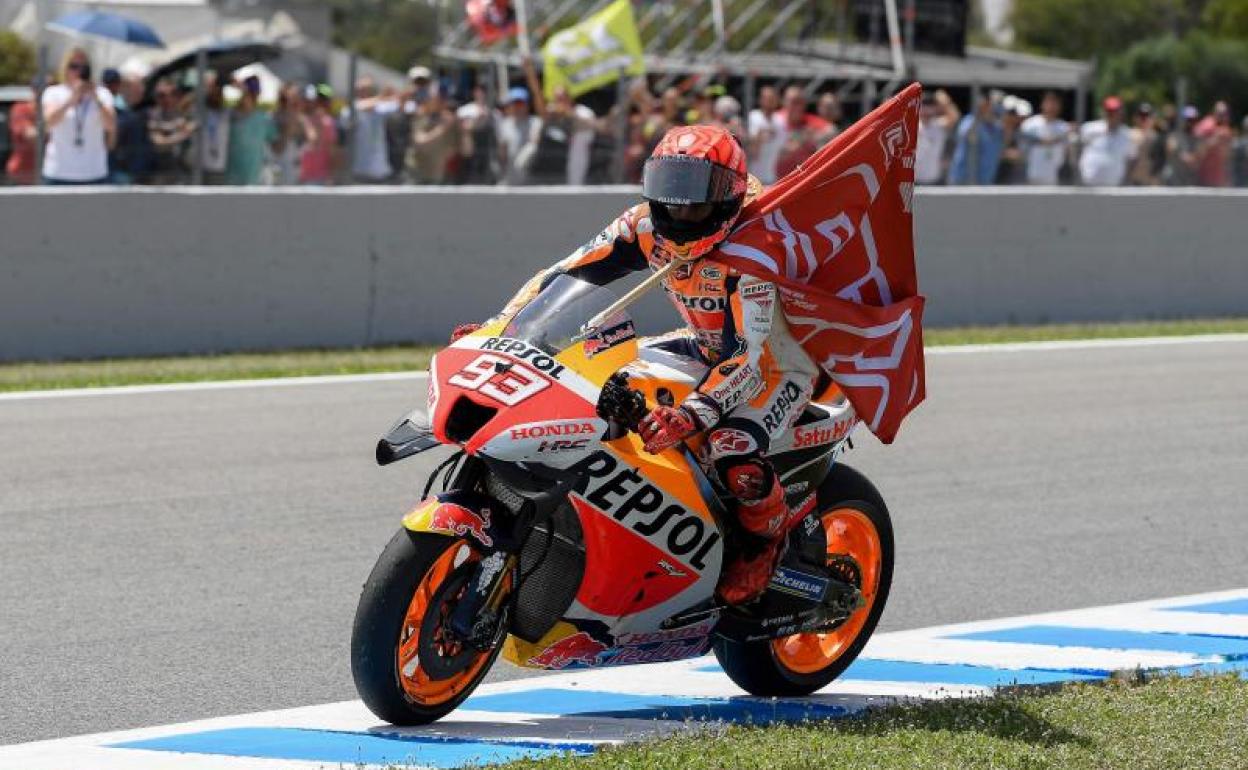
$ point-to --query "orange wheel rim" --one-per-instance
(849, 532)
(416, 682)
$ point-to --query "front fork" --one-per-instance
(477, 617)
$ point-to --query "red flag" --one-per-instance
(836, 235)
(492, 19)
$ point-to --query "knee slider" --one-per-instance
(746, 478)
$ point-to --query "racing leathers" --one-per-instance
(757, 379)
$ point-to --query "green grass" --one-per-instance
(294, 363)
(1169, 723)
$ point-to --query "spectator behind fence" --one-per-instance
(23, 138)
(979, 142)
(639, 106)
(938, 117)
(478, 126)
(132, 158)
(766, 135)
(370, 153)
(1012, 168)
(1240, 155)
(1149, 149)
(288, 136)
(518, 134)
(111, 80)
(1046, 141)
(1216, 139)
(828, 107)
(398, 125)
(726, 114)
(80, 122)
(317, 160)
(1107, 147)
(252, 132)
(170, 130)
(215, 138)
(804, 132)
(435, 140)
(1183, 151)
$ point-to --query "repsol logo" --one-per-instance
(620, 491)
(704, 304)
(783, 404)
(525, 352)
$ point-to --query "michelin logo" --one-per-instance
(800, 584)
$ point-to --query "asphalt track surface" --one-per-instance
(174, 556)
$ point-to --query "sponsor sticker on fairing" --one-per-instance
(790, 581)
(579, 649)
(781, 406)
(608, 338)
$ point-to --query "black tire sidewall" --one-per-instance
(379, 618)
(753, 665)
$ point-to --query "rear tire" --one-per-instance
(801, 664)
(411, 561)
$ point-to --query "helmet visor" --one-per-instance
(680, 180)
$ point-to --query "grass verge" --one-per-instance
(235, 366)
(1169, 722)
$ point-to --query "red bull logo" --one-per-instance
(578, 648)
(457, 520)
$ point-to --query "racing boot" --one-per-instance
(765, 515)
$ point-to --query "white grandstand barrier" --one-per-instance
(95, 272)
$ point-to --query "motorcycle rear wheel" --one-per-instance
(405, 668)
(857, 523)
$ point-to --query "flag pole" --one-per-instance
(658, 275)
(522, 24)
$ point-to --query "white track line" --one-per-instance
(178, 387)
(1047, 345)
(340, 379)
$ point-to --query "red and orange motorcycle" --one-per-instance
(558, 542)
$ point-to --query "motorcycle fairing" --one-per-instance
(641, 570)
(409, 436)
(467, 514)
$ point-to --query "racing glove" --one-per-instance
(667, 426)
(463, 330)
(620, 403)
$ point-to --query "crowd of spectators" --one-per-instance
(423, 134)
(1005, 140)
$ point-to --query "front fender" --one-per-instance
(463, 513)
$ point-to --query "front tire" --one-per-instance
(857, 523)
(404, 670)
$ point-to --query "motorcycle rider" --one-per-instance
(757, 379)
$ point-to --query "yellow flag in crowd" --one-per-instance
(594, 52)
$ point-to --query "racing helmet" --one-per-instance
(694, 165)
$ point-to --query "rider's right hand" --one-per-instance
(463, 330)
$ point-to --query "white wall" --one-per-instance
(88, 273)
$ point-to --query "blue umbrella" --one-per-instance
(109, 26)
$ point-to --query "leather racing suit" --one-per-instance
(757, 379)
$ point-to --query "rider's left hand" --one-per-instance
(666, 426)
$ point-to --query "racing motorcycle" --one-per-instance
(557, 542)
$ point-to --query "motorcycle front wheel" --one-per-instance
(407, 668)
(860, 548)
